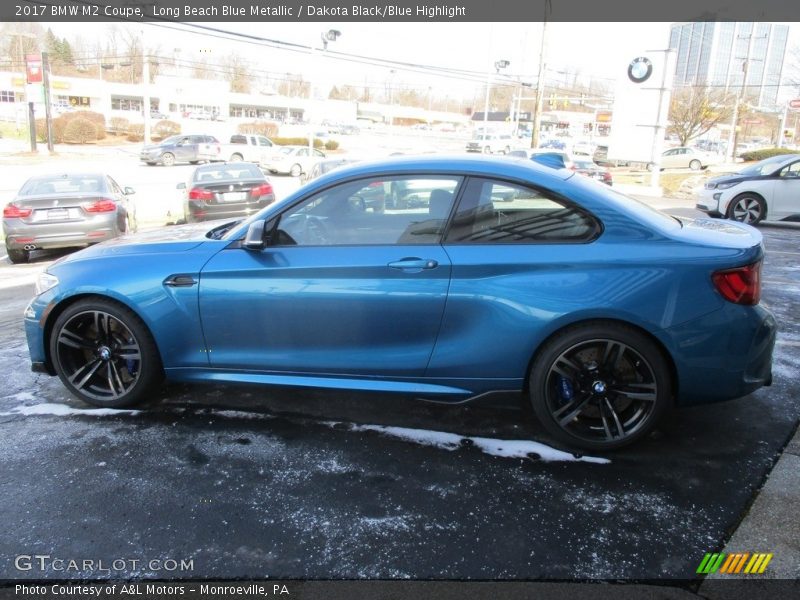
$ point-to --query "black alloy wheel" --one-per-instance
(104, 354)
(600, 386)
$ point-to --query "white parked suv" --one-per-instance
(491, 143)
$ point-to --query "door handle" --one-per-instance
(414, 263)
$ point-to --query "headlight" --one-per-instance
(45, 282)
(727, 184)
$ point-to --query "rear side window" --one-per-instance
(498, 212)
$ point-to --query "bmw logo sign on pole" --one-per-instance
(640, 69)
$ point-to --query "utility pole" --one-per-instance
(146, 90)
(537, 112)
(733, 138)
(48, 117)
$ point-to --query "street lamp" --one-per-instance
(326, 36)
(498, 64)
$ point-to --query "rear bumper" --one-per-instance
(724, 355)
(197, 211)
(43, 237)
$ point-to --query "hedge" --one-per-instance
(264, 128)
(164, 129)
(80, 131)
(766, 153)
(297, 141)
(61, 122)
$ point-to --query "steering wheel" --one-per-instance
(315, 231)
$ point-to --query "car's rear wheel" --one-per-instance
(168, 159)
(600, 386)
(747, 208)
(695, 165)
(18, 255)
(104, 353)
(295, 170)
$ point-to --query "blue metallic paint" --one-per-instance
(339, 317)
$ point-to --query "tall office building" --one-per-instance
(713, 54)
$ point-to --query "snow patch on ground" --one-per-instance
(62, 410)
(491, 446)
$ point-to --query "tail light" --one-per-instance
(741, 285)
(12, 211)
(262, 190)
(100, 206)
(200, 194)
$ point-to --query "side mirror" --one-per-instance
(181, 186)
(261, 234)
(128, 191)
(254, 240)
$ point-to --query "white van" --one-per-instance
(490, 143)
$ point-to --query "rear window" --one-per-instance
(64, 184)
(231, 172)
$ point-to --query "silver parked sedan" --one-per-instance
(66, 210)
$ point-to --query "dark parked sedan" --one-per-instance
(220, 191)
(511, 278)
(62, 211)
(592, 170)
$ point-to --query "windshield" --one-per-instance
(765, 166)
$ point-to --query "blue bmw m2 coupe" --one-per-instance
(500, 276)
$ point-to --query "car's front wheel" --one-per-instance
(295, 170)
(747, 208)
(168, 159)
(600, 386)
(104, 353)
(695, 165)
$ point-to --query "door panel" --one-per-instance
(335, 310)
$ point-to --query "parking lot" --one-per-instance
(253, 483)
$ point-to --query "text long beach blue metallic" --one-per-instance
(498, 275)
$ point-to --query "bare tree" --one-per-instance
(695, 110)
(237, 73)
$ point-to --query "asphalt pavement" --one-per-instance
(249, 483)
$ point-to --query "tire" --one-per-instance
(168, 159)
(18, 255)
(236, 158)
(650, 166)
(89, 344)
(194, 162)
(399, 201)
(695, 165)
(745, 208)
(151, 163)
(600, 386)
(295, 170)
(507, 149)
(487, 149)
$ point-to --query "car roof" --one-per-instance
(515, 168)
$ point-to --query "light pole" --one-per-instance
(498, 64)
(326, 36)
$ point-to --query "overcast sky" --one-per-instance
(602, 50)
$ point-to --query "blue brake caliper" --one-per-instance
(565, 389)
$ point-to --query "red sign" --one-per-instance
(33, 68)
(794, 103)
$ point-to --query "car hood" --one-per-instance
(730, 177)
(165, 240)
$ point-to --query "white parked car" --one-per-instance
(766, 190)
(684, 157)
(294, 160)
